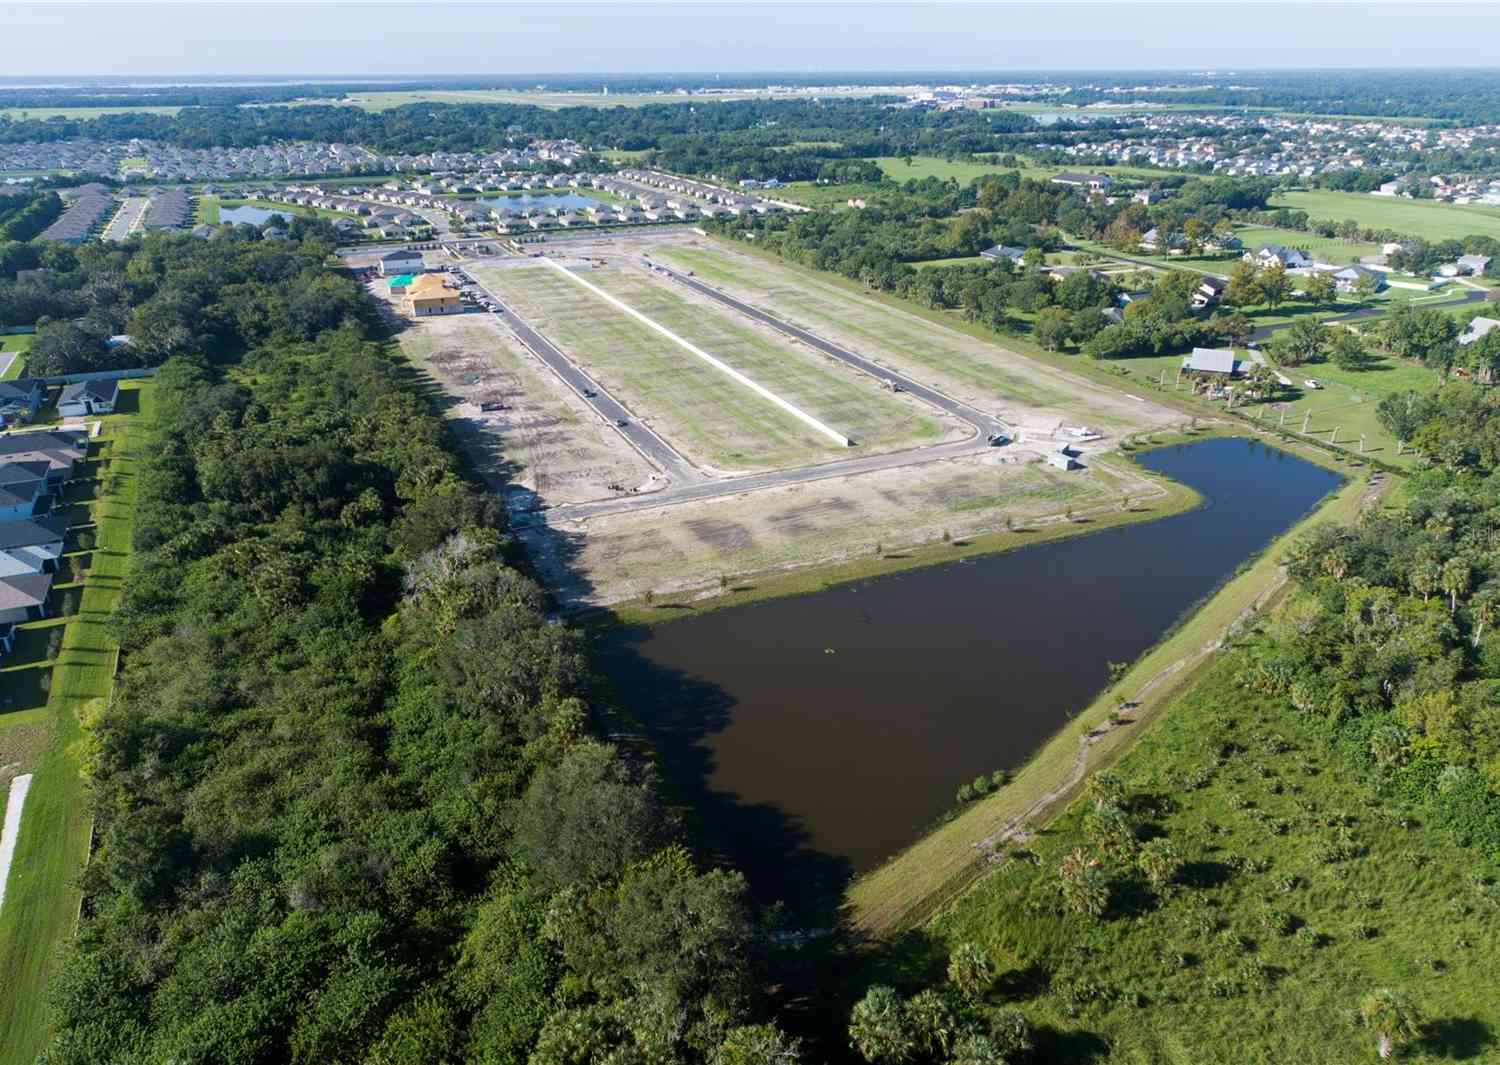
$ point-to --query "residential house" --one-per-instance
(1004, 251)
(59, 450)
(1092, 182)
(1212, 361)
(401, 261)
(88, 397)
(1350, 277)
(22, 486)
(31, 545)
(1271, 254)
(20, 399)
(1209, 291)
(24, 597)
(1477, 328)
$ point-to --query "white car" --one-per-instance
(1313, 383)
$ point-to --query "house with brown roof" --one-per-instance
(428, 295)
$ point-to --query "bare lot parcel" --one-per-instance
(695, 547)
(713, 419)
(1023, 391)
(545, 439)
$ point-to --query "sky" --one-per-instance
(414, 37)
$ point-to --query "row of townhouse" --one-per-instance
(33, 468)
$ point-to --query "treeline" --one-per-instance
(1391, 640)
(348, 801)
(1466, 97)
(473, 127)
(170, 295)
(23, 217)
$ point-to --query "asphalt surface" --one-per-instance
(131, 213)
(984, 424)
(656, 450)
(728, 486)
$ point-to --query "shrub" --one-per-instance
(880, 1029)
(1159, 862)
(1085, 888)
(969, 970)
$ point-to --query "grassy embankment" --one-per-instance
(42, 897)
(912, 886)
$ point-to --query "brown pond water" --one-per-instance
(813, 737)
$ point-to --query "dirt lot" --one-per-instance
(546, 440)
(690, 546)
(1023, 391)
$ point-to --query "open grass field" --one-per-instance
(963, 171)
(701, 411)
(1421, 218)
(42, 897)
(993, 378)
(1304, 889)
(853, 403)
(1345, 404)
(1323, 249)
(912, 886)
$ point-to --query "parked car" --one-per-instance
(1313, 383)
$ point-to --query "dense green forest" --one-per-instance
(349, 801)
(24, 216)
(471, 127)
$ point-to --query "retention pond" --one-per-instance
(817, 736)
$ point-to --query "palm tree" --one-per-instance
(1456, 576)
(1393, 1019)
(1484, 608)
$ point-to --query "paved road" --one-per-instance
(984, 424)
(654, 448)
(750, 482)
(126, 220)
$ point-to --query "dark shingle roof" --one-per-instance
(30, 533)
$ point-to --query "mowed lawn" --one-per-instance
(700, 410)
(42, 897)
(944, 358)
(1421, 218)
(1345, 404)
(839, 396)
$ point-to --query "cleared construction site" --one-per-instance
(667, 415)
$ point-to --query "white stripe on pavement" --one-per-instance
(718, 364)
